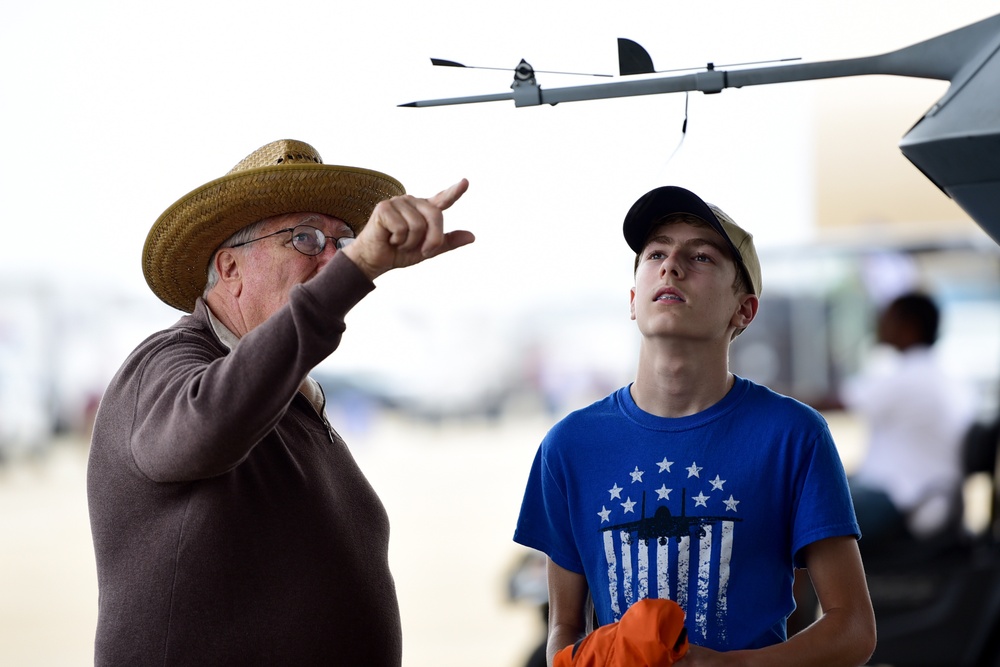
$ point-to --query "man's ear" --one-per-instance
(746, 311)
(631, 303)
(228, 268)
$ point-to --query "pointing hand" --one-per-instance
(406, 230)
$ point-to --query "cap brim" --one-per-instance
(661, 202)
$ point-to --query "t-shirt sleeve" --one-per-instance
(824, 508)
(544, 521)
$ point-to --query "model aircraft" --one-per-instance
(956, 143)
(663, 524)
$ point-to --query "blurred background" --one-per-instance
(451, 372)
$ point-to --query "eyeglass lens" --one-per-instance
(311, 241)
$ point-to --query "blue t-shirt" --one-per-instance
(709, 510)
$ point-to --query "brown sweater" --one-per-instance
(231, 525)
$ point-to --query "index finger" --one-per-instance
(444, 199)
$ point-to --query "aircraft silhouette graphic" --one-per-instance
(663, 524)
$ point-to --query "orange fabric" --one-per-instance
(651, 633)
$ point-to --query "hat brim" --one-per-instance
(660, 202)
(183, 239)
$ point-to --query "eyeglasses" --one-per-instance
(306, 239)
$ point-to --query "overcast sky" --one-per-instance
(113, 109)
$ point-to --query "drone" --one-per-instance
(955, 144)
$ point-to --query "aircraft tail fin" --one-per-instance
(633, 58)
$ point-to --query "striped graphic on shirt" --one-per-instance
(677, 548)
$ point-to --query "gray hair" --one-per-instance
(248, 233)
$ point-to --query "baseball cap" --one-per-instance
(656, 204)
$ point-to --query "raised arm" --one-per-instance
(199, 415)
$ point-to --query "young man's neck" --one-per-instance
(679, 383)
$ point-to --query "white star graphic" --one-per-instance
(665, 465)
(663, 493)
(717, 483)
(637, 475)
(693, 470)
(615, 491)
(731, 503)
(604, 513)
(628, 505)
(699, 500)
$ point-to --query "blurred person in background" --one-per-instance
(908, 485)
(231, 524)
(692, 484)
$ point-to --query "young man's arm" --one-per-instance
(844, 635)
(567, 600)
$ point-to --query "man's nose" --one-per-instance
(671, 265)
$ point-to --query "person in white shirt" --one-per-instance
(909, 483)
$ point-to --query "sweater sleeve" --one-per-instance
(198, 415)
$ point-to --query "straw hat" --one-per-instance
(285, 176)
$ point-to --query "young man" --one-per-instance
(691, 483)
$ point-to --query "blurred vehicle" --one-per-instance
(554, 358)
(60, 343)
(26, 386)
(816, 321)
(937, 601)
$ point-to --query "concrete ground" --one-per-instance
(452, 493)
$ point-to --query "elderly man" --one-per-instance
(230, 522)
